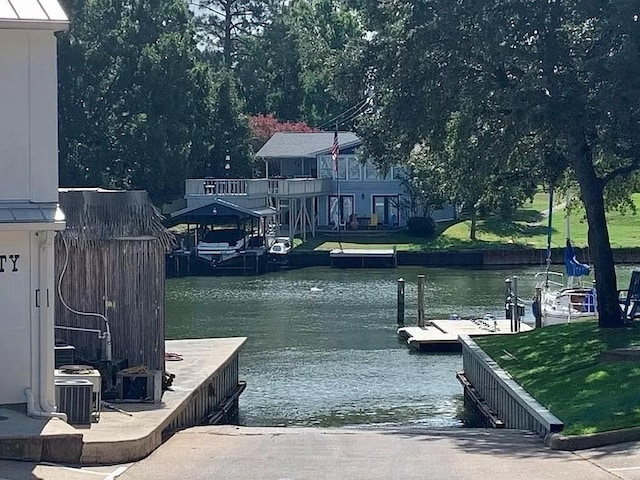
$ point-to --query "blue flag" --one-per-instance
(572, 265)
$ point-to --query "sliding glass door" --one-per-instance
(340, 211)
(386, 209)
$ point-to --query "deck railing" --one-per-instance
(261, 187)
(513, 405)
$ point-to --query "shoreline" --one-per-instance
(469, 258)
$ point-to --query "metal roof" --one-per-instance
(217, 208)
(30, 213)
(296, 145)
(32, 15)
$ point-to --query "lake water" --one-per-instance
(322, 346)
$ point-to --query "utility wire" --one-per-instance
(357, 113)
(336, 120)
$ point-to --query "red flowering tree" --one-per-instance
(264, 126)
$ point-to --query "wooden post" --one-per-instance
(400, 302)
(538, 306)
(421, 300)
(507, 298)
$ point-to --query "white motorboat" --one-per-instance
(221, 245)
(280, 246)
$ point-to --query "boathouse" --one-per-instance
(29, 214)
(221, 237)
(110, 270)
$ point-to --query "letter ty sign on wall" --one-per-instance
(9, 263)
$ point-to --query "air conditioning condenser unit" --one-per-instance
(75, 398)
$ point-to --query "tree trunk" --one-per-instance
(592, 190)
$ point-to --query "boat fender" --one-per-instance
(534, 308)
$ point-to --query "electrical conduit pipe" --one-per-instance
(45, 406)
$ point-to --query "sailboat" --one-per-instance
(567, 301)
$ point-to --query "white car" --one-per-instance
(281, 246)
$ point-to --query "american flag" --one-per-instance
(335, 150)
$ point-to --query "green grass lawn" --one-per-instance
(527, 229)
(560, 366)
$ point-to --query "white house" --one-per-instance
(29, 214)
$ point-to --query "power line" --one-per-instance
(331, 122)
(351, 113)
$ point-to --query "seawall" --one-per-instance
(470, 258)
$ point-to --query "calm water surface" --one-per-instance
(322, 346)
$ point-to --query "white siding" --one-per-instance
(15, 317)
(43, 108)
(14, 116)
(28, 117)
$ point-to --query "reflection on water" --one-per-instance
(322, 348)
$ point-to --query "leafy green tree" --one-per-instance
(293, 67)
(231, 132)
(563, 76)
(270, 74)
(224, 24)
(136, 105)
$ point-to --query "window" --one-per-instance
(345, 210)
(371, 172)
(354, 167)
(386, 209)
(325, 166)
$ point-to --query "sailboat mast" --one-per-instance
(549, 229)
(566, 216)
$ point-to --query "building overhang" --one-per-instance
(31, 216)
(32, 15)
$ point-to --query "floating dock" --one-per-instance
(361, 258)
(442, 335)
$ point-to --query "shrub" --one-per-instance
(421, 226)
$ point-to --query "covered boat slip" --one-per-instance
(221, 237)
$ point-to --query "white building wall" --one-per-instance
(43, 117)
(15, 316)
(28, 194)
(28, 117)
(14, 116)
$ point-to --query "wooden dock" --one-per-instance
(362, 258)
(442, 335)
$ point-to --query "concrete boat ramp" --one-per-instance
(442, 335)
(206, 380)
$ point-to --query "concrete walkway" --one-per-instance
(126, 435)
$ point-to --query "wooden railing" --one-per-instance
(512, 404)
(261, 187)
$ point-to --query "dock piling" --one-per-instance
(401, 302)
(538, 307)
(421, 301)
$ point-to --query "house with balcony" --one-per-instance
(357, 196)
(307, 193)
